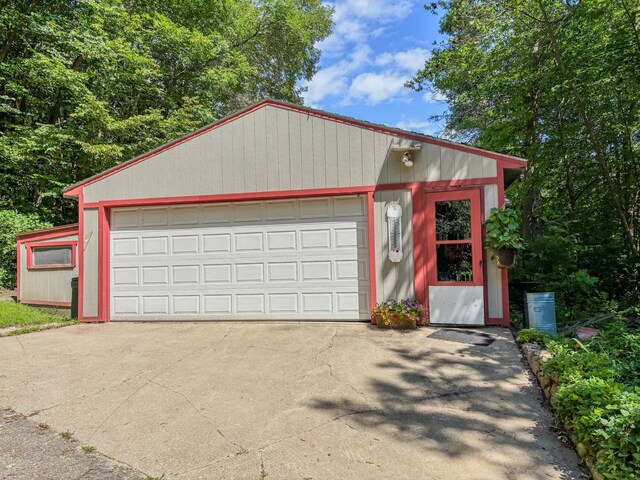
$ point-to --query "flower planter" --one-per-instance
(405, 314)
(505, 257)
(395, 320)
(423, 321)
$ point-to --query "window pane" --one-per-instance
(453, 220)
(50, 256)
(455, 263)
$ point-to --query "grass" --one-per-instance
(67, 435)
(15, 314)
(88, 448)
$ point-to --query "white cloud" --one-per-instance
(360, 76)
(334, 80)
(373, 87)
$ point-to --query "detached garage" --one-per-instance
(287, 213)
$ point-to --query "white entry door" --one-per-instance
(299, 259)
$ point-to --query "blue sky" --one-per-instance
(376, 46)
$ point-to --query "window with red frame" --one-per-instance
(52, 255)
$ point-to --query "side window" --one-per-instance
(55, 256)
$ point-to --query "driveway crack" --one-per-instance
(364, 397)
(327, 422)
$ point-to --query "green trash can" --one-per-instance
(74, 297)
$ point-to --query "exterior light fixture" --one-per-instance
(407, 148)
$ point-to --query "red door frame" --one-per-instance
(424, 229)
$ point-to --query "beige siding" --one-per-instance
(274, 149)
(46, 285)
(394, 280)
(494, 274)
(90, 245)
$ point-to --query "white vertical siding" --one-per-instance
(90, 245)
(494, 275)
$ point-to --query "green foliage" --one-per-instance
(530, 335)
(553, 261)
(85, 85)
(12, 314)
(556, 82)
(599, 394)
(605, 416)
(12, 223)
(503, 229)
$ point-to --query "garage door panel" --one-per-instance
(216, 243)
(220, 273)
(185, 274)
(286, 259)
(155, 245)
(218, 304)
(186, 304)
(185, 244)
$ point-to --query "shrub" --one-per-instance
(598, 398)
(12, 223)
(605, 417)
(554, 262)
(529, 335)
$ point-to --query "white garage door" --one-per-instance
(301, 259)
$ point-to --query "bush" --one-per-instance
(605, 417)
(598, 399)
(553, 261)
(529, 335)
(12, 223)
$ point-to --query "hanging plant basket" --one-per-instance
(505, 258)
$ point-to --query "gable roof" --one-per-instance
(510, 160)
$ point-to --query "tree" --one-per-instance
(87, 84)
(556, 82)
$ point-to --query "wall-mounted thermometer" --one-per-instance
(394, 226)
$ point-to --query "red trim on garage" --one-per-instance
(81, 255)
(74, 189)
(18, 267)
(104, 262)
(231, 197)
(64, 243)
(285, 194)
(373, 289)
(419, 246)
(46, 233)
(46, 303)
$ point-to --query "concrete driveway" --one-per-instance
(287, 401)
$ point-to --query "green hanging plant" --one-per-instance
(503, 236)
